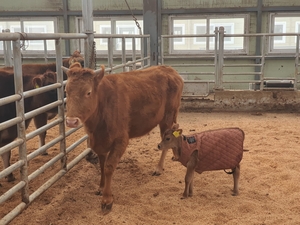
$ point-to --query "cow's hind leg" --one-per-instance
(6, 162)
(189, 176)
(236, 177)
(113, 158)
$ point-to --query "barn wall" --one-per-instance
(257, 101)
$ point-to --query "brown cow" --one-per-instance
(33, 68)
(36, 69)
(117, 107)
(8, 111)
(205, 151)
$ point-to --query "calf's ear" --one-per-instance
(37, 82)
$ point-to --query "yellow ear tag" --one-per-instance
(176, 133)
(37, 86)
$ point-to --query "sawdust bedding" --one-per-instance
(269, 182)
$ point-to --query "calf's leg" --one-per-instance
(189, 176)
(164, 125)
(236, 176)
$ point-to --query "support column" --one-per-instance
(87, 17)
(152, 26)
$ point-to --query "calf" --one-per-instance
(8, 111)
(209, 150)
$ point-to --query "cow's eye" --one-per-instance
(167, 139)
(88, 94)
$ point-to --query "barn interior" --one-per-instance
(235, 56)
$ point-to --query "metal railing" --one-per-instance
(228, 70)
(141, 59)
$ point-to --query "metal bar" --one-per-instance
(11, 145)
(123, 53)
(296, 62)
(10, 123)
(43, 128)
(134, 53)
(242, 65)
(12, 214)
(41, 90)
(41, 36)
(78, 158)
(18, 81)
(12, 168)
(97, 35)
(44, 148)
(197, 73)
(66, 25)
(75, 144)
(61, 108)
(262, 68)
(42, 109)
(219, 75)
(243, 73)
(110, 52)
(45, 166)
(191, 65)
(11, 191)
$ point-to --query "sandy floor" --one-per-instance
(269, 182)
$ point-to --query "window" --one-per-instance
(179, 29)
(120, 25)
(281, 23)
(32, 25)
(203, 26)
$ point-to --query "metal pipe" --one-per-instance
(42, 109)
(44, 148)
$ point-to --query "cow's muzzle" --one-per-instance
(72, 122)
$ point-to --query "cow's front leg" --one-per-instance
(160, 166)
(39, 121)
(112, 160)
(102, 159)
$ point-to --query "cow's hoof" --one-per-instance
(10, 178)
(98, 193)
(156, 173)
(106, 208)
(45, 153)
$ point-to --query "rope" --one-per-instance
(134, 18)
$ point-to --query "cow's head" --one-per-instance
(81, 91)
(75, 57)
(172, 138)
(48, 78)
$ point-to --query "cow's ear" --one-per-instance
(99, 73)
(37, 81)
(175, 126)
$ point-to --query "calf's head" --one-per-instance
(48, 78)
(172, 138)
(81, 92)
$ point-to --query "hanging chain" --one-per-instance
(134, 18)
(93, 56)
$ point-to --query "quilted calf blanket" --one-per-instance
(217, 149)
